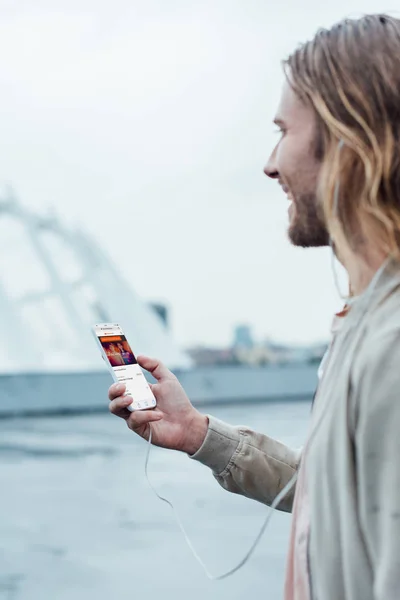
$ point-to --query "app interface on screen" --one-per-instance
(123, 362)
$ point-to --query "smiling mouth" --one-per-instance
(287, 192)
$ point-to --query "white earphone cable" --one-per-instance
(270, 508)
(278, 498)
(253, 546)
(291, 482)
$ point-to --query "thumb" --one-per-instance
(155, 367)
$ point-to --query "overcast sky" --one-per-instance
(149, 123)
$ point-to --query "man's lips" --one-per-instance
(287, 191)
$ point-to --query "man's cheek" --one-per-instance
(285, 163)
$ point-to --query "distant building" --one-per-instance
(256, 356)
(243, 337)
(246, 352)
(312, 353)
(205, 357)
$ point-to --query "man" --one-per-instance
(338, 160)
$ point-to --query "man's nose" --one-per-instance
(270, 169)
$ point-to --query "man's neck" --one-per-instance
(361, 267)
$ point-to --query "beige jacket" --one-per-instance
(353, 456)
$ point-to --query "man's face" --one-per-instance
(295, 165)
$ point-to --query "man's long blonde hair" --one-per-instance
(351, 76)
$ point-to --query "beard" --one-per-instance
(307, 228)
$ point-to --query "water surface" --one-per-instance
(79, 521)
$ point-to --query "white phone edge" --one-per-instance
(131, 407)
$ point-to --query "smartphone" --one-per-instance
(123, 366)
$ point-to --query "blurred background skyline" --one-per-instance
(149, 124)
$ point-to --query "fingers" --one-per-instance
(142, 417)
(119, 406)
(116, 390)
(155, 367)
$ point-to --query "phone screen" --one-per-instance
(120, 357)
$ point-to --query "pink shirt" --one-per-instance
(297, 583)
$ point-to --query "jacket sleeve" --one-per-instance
(377, 451)
(248, 463)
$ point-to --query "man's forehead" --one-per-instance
(290, 107)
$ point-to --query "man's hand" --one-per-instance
(175, 423)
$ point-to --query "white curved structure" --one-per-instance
(55, 283)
